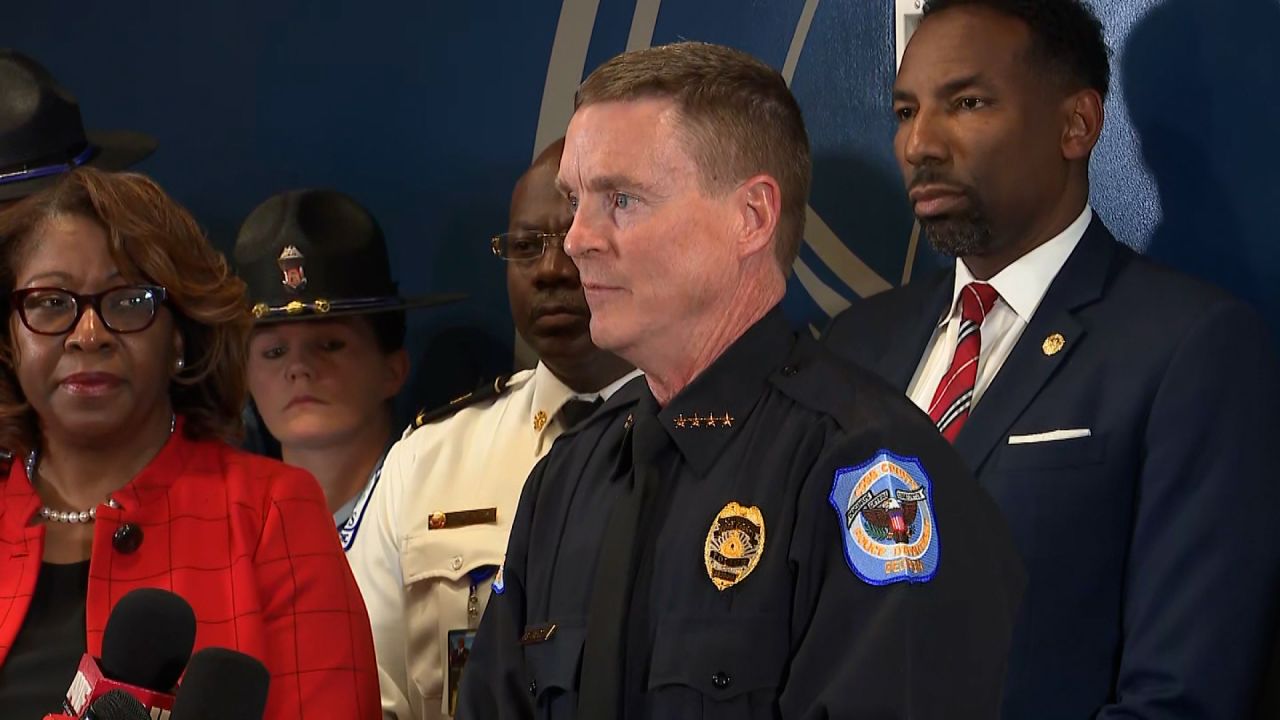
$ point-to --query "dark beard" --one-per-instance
(959, 236)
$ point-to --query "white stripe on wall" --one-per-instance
(642, 24)
(564, 70)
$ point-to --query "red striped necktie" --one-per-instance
(954, 396)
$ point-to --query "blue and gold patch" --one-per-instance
(499, 584)
(886, 513)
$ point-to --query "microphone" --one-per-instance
(145, 647)
(117, 705)
(222, 684)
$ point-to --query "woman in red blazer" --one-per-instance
(122, 376)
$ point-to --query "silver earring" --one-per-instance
(181, 364)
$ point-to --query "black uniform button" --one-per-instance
(789, 370)
(533, 687)
(721, 680)
(127, 538)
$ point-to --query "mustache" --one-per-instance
(932, 176)
(572, 302)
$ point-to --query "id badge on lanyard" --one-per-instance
(461, 639)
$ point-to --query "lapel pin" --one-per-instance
(1053, 344)
(539, 421)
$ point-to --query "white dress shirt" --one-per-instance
(417, 581)
(1021, 286)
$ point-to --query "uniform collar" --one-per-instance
(344, 513)
(608, 390)
(549, 395)
(703, 418)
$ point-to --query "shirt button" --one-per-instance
(457, 563)
(721, 680)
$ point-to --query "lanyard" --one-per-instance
(477, 576)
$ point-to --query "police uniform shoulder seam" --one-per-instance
(812, 375)
(487, 391)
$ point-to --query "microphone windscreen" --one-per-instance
(117, 705)
(222, 684)
(148, 639)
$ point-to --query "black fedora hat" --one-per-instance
(42, 135)
(310, 254)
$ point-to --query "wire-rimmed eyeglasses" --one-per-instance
(523, 244)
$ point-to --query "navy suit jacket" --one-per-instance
(1152, 545)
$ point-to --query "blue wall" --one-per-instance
(428, 111)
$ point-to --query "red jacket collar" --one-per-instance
(21, 504)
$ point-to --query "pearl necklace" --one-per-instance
(75, 518)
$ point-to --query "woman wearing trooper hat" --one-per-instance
(327, 352)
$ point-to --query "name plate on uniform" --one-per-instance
(538, 634)
(461, 518)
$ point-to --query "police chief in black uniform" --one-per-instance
(753, 529)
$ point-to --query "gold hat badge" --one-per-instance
(290, 262)
(734, 544)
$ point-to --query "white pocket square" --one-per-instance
(1051, 436)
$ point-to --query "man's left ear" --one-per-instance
(1084, 115)
(760, 206)
(397, 373)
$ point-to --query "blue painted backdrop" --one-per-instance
(428, 111)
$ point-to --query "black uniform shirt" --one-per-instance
(816, 627)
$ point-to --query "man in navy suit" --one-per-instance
(1121, 414)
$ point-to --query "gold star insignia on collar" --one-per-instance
(697, 421)
(539, 421)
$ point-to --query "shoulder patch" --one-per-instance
(886, 518)
(488, 391)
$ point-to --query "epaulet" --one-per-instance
(487, 391)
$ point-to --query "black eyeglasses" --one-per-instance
(524, 244)
(54, 311)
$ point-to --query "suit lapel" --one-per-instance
(1029, 366)
(907, 346)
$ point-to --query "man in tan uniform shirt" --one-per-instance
(436, 531)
